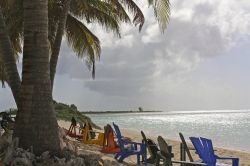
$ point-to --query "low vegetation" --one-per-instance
(65, 112)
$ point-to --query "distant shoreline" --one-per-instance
(117, 112)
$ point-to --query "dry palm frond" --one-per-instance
(162, 12)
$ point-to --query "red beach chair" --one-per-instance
(72, 129)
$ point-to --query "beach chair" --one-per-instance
(109, 143)
(151, 147)
(204, 148)
(166, 156)
(133, 148)
(91, 137)
(184, 149)
(72, 130)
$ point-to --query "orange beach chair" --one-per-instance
(109, 143)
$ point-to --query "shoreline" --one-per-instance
(118, 112)
(135, 135)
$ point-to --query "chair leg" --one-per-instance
(157, 163)
(122, 157)
(138, 159)
(235, 162)
(116, 156)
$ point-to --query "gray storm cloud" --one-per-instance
(152, 68)
(160, 70)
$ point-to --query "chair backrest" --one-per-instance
(150, 144)
(163, 146)
(144, 138)
(164, 149)
(109, 136)
(119, 137)
(186, 147)
(85, 131)
(208, 146)
(201, 147)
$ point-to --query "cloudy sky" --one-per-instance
(202, 61)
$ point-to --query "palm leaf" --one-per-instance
(136, 11)
(83, 41)
(162, 12)
(13, 15)
(97, 11)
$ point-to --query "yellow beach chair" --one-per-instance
(92, 137)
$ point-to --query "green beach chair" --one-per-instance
(166, 156)
(184, 149)
(151, 148)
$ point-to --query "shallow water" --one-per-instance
(228, 129)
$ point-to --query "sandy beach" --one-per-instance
(135, 135)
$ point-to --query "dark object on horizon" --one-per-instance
(151, 147)
(205, 150)
(138, 149)
(166, 155)
(140, 109)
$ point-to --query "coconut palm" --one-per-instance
(36, 124)
(35, 118)
(84, 43)
(108, 14)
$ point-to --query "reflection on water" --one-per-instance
(228, 129)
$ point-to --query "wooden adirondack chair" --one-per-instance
(109, 143)
(87, 135)
(134, 148)
(72, 130)
(184, 149)
(205, 150)
(151, 147)
(166, 156)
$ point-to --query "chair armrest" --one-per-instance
(226, 158)
(135, 143)
(188, 163)
(235, 160)
(163, 156)
(191, 148)
(160, 155)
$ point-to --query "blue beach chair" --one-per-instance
(135, 148)
(204, 149)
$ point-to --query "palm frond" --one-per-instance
(136, 11)
(162, 12)
(13, 15)
(83, 41)
(99, 12)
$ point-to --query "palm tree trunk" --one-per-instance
(7, 56)
(36, 124)
(58, 40)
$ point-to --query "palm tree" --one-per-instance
(8, 68)
(36, 124)
(35, 118)
(92, 11)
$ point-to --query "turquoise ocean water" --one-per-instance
(228, 129)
